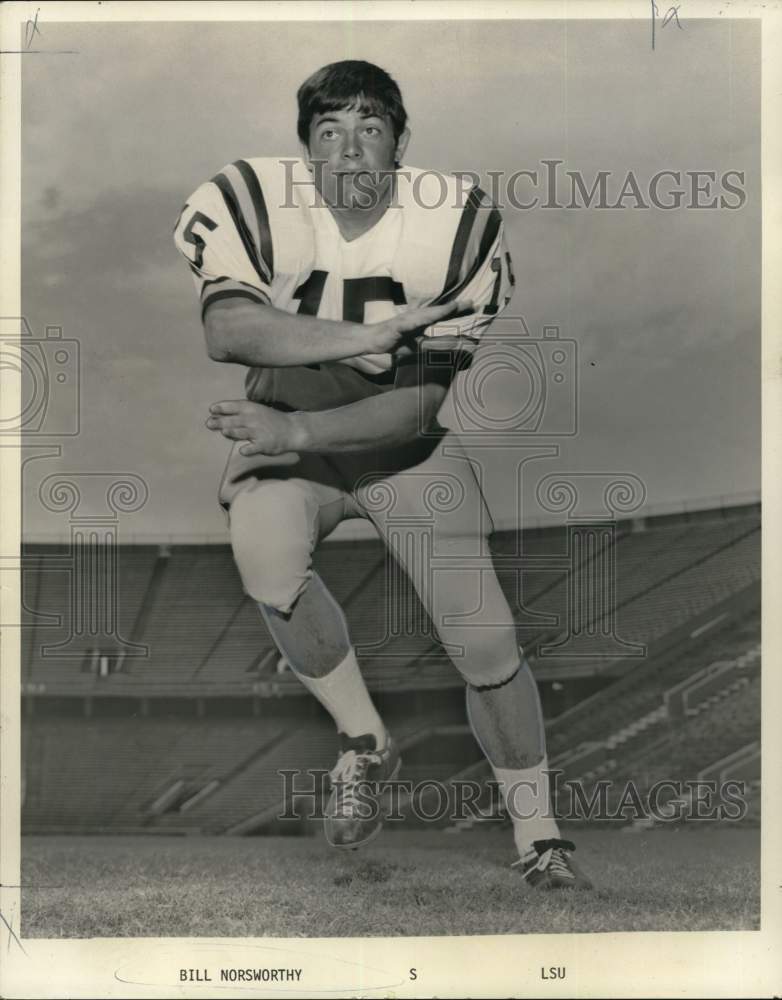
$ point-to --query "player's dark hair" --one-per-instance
(348, 84)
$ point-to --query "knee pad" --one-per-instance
(272, 537)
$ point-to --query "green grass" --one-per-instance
(405, 883)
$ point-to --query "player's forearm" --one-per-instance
(248, 333)
(393, 418)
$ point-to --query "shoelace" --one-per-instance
(552, 857)
(349, 771)
(558, 863)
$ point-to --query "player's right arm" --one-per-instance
(233, 272)
(260, 335)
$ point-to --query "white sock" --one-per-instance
(528, 802)
(343, 694)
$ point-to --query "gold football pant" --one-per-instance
(427, 506)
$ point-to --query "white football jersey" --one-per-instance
(260, 230)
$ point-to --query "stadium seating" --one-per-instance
(641, 690)
(186, 605)
(88, 773)
(196, 600)
(702, 739)
(108, 774)
(694, 751)
(54, 651)
(682, 589)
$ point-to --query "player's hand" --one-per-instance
(267, 431)
(400, 331)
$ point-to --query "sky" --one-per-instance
(663, 307)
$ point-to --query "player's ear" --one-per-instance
(401, 145)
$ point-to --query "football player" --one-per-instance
(354, 288)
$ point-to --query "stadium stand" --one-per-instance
(211, 639)
(204, 582)
(192, 735)
(641, 691)
(132, 773)
(700, 741)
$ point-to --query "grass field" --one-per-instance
(405, 883)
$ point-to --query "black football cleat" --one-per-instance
(549, 866)
(353, 814)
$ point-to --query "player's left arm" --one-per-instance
(386, 420)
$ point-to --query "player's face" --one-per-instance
(353, 156)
